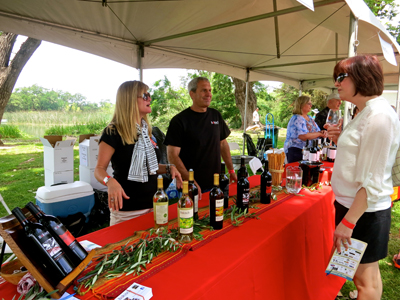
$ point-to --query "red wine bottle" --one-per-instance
(194, 195)
(243, 187)
(224, 185)
(313, 156)
(216, 205)
(332, 153)
(43, 248)
(266, 185)
(74, 251)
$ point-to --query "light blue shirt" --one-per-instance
(298, 125)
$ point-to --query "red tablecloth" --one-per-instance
(281, 256)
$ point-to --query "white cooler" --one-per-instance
(66, 199)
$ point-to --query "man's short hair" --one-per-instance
(192, 86)
(333, 96)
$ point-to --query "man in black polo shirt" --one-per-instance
(196, 138)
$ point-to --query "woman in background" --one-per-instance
(301, 128)
(361, 179)
(134, 155)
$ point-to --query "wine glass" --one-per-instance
(333, 117)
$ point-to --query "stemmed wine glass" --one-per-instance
(333, 118)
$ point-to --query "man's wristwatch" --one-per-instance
(106, 179)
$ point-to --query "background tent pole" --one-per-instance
(140, 57)
(398, 97)
(353, 43)
(300, 88)
(245, 108)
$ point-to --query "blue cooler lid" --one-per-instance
(64, 192)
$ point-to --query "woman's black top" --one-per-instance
(141, 194)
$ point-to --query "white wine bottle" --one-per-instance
(160, 207)
(185, 216)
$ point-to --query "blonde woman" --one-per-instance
(301, 128)
(134, 155)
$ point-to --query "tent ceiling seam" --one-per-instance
(109, 7)
(241, 21)
(65, 27)
(308, 32)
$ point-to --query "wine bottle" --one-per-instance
(242, 172)
(71, 247)
(266, 185)
(306, 151)
(194, 195)
(216, 205)
(312, 157)
(332, 153)
(44, 248)
(224, 185)
(185, 215)
(325, 146)
(160, 206)
(243, 187)
(319, 156)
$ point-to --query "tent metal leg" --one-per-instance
(245, 108)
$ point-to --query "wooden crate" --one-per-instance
(11, 231)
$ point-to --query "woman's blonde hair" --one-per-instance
(299, 103)
(126, 113)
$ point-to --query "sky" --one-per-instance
(61, 68)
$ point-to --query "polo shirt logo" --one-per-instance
(214, 122)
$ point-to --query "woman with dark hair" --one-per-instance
(361, 179)
(134, 155)
(301, 128)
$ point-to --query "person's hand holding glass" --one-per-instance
(333, 124)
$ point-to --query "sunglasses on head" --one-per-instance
(341, 77)
(145, 96)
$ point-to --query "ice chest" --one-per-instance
(66, 199)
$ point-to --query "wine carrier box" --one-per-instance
(88, 150)
(86, 174)
(66, 199)
(12, 233)
(51, 177)
(58, 154)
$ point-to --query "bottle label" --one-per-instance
(219, 209)
(161, 212)
(305, 154)
(185, 220)
(246, 196)
(312, 157)
(49, 244)
(196, 203)
(324, 150)
(269, 187)
(332, 153)
(67, 237)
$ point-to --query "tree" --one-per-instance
(10, 68)
(386, 10)
(240, 98)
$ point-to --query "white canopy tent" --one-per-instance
(249, 39)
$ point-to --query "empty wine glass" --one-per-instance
(333, 117)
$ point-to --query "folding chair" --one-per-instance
(255, 164)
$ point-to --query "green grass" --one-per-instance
(58, 117)
(11, 131)
(77, 129)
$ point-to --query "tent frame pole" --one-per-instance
(140, 60)
(352, 52)
(245, 108)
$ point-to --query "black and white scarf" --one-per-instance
(144, 159)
